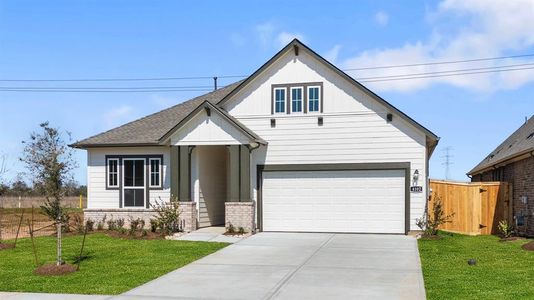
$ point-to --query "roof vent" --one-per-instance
(530, 136)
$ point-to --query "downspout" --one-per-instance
(252, 147)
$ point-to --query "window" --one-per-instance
(155, 172)
(280, 100)
(296, 99)
(113, 173)
(313, 98)
(134, 182)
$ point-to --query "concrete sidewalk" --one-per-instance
(298, 266)
(43, 296)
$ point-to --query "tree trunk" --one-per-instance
(58, 225)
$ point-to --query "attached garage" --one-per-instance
(335, 198)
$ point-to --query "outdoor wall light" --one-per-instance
(415, 176)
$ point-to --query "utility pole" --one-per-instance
(215, 83)
(447, 160)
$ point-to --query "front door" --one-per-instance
(134, 182)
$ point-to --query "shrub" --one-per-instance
(120, 223)
(122, 230)
(241, 230)
(153, 225)
(230, 228)
(112, 224)
(90, 225)
(135, 224)
(506, 229)
(167, 216)
(430, 223)
(144, 232)
(78, 223)
(100, 225)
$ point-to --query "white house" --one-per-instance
(297, 146)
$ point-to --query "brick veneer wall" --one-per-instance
(187, 215)
(521, 175)
(240, 214)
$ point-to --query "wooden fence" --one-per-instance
(478, 207)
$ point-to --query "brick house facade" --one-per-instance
(521, 175)
(513, 162)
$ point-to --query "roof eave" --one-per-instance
(505, 160)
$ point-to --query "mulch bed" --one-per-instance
(528, 246)
(236, 234)
(6, 246)
(136, 236)
(54, 270)
(431, 237)
(510, 239)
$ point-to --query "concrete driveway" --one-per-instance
(298, 266)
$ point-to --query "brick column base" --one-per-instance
(240, 214)
(188, 215)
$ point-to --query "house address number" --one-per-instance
(416, 189)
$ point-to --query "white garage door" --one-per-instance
(365, 201)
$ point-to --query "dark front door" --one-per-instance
(134, 182)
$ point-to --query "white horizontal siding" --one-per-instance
(354, 128)
(98, 196)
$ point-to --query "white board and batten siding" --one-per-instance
(102, 198)
(354, 130)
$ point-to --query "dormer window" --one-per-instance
(280, 100)
(314, 98)
(298, 98)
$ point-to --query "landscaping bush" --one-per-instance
(135, 225)
(230, 229)
(78, 224)
(112, 224)
(167, 216)
(154, 225)
(90, 225)
(429, 224)
(241, 230)
(120, 223)
(505, 229)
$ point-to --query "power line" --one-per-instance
(447, 71)
(440, 62)
(243, 76)
(105, 91)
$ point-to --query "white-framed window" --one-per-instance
(134, 182)
(280, 100)
(314, 98)
(155, 172)
(112, 175)
(296, 99)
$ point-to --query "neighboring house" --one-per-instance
(297, 146)
(513, 162)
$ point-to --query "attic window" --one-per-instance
(530, 136)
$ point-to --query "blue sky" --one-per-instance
(143, 39)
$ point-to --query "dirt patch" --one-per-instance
(528, 246)
(54, 270)
(149, 235)
(4, 246)
(510, 239)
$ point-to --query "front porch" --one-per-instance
(210, 162)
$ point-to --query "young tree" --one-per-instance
(50, 161)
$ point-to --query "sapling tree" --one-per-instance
(50, 162)
(431, 221)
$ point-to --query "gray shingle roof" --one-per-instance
(148, 130)
(520, 142)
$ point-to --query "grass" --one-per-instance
(503, 270)
(113, 265)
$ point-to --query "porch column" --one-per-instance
(238, 174)
(174, 162)
(184, 173)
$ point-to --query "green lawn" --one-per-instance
(114, 265)
(503, 270)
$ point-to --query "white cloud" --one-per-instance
(163, 102)
(117, 116)
(461, 30)
(332, 54)
(285, 37)
(382, 18)
(265, 32)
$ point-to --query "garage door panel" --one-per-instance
(334, 201)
